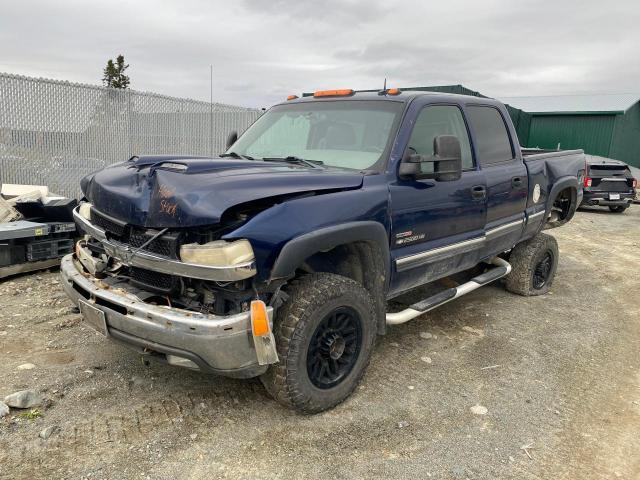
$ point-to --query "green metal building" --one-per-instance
(604, 125)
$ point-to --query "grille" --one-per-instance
(159, 282)
(166, 245)
(107, 223)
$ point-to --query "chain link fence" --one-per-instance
(54, 132)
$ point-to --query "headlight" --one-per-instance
(85, 210)
(219, 253)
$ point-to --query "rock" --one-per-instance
(426, 359)
(479, 410)
(4, 410)
(426, 335)
(47, 432)
(403, 424)
(411, 387)
(24, 399)
(472, 330)
(3, 333)
(458, 472)
(26, 366)
(193, 436)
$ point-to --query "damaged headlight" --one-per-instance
(219, 253)
(85, 210)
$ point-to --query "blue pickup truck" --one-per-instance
(277, 258)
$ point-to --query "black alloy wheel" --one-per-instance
(334, 347)
(542, 270)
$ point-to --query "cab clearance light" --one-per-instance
(394, 91)
(587, 182)
(333, 93)
(292, 97)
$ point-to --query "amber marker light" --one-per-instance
(333, 93)
(259, 318)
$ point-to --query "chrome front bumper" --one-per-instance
(217, 344)
(142, 259)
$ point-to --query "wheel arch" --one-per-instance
(357, 250)
(567, 186)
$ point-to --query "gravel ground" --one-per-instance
(558, 377)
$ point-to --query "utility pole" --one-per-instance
(211, 114)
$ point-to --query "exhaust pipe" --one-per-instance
(502, 269)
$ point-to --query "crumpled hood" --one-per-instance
(167, 192)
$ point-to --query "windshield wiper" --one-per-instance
(297, 160)
(236, 155)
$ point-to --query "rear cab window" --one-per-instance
(609, 170)
(492, 141)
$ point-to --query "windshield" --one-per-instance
(347, 134)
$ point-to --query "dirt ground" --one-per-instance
(559, 376)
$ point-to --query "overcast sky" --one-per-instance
(264, 50)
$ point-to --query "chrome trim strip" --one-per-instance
(160, 264)
(535, 215)
(614, 180)
(402, 261)
(504, 229)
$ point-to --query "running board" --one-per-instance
(502, 269)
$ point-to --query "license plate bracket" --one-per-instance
(94, 317)
(614, 196)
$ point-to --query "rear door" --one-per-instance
(437, 227)
(506, 175)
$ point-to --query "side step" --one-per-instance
(502, 269)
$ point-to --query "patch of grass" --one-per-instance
(31, 414)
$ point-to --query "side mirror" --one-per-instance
(231, 139)
(446, 160)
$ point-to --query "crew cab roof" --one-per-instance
(405, 96)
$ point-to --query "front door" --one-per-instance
(437, 227)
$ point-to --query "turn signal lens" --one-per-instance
(587, 182)
(259, 318)
(85, 210)
(292, 97)
(333, 93)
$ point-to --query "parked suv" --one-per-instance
(608, 183)
(277, 258)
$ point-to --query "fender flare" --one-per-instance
(300, 248)
(558, 186)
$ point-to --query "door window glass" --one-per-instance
(438, 120)
(491, 135)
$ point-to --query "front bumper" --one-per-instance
(218, 344)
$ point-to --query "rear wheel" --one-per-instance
(618, 208)
(534, 264)
(325, 334)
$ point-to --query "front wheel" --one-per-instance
(325, 334)
(533, 266)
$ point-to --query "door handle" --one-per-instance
(516, 182)
(478, 191)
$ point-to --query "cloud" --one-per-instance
(262, 51)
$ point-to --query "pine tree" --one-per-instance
(113, 74)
